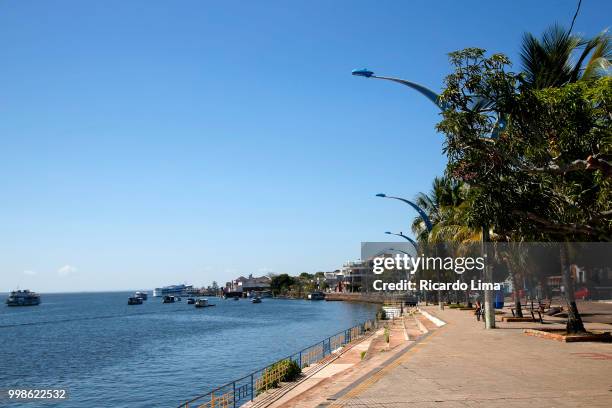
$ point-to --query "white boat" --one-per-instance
(173, 290)
(316, 295)
(202, 303)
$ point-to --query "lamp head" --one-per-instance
(364, 72)
(381, 195)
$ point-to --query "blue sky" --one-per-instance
(147, 143)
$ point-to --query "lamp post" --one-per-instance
(429, 226)
(421, 212)
(500, 124)
(426, 92)
(414, 244)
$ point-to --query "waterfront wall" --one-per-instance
(377, 297)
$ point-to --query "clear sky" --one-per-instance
(147, 143)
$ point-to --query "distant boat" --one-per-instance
(23, 298)
(133, 300)
(172, 290)
(256, 300)
(168, 299)
(202, 303)
(190, 301)
(236, 298)
(316, 295)
(141, 295)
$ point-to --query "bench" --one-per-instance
(533, 309)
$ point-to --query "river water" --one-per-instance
(108, 354)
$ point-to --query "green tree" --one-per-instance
(280, 284)
(546, 175)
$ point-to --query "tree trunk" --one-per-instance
(516, 292)
(574, 321)
(488, 277)
(468, 301)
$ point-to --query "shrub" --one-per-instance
(293, 371)
(288, 369)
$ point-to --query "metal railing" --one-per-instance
(242, 390)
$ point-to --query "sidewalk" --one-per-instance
(463, 365)
(347, 368)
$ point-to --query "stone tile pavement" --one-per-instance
(463, 365)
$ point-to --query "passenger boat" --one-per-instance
(201, 303)
(141, 295)
(256, 300)
(168, 299)
(133, 300)
(177, 290)
(23, 298)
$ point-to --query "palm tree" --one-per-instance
(446, 207)
(444, 193)
(548, 62)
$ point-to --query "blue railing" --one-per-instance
(242, 390)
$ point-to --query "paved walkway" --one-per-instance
(463, 365)
(354, 362)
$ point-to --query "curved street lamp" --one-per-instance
(428, 93)
(412, 241)
(500, 123)
(421, 212)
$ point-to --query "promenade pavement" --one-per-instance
(463, 365)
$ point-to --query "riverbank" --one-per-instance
(375, 297)
(460, 364)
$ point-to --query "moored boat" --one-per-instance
(133, 300)
(168, 299)
(23, 298)
(317, 295)
(190, 301)
(141, 295)
(201, 303)
(256, 299)
(176, 290)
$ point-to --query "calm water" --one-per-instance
(109, 354)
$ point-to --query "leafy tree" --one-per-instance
(281, 283)
(546, 176)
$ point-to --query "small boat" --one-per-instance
(236, 298)
(23, 298)
(256, 300)
(190, 301)
(168, 299)
(133, 300)
(141, 295)
(201, 303)
(317, 295)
